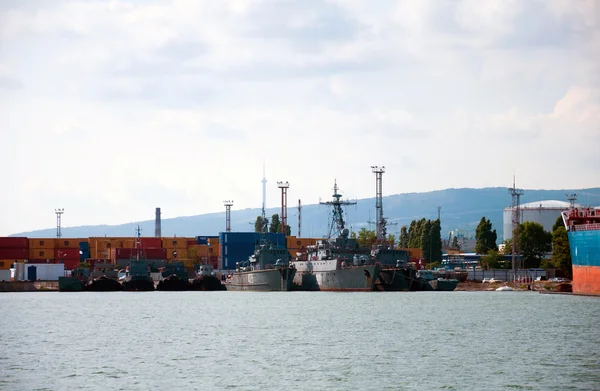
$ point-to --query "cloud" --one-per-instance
(127, 105)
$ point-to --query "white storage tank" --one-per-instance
(541, 212)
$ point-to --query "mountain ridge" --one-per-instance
(461, 208)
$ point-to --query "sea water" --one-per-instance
(299, 341)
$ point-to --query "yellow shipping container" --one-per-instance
(175, 242)
(128, 243)
(41, 253)
(6, 263)
(66, 243)
(41, 243)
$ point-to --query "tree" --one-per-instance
(275, 224)
(507, 247)
(366, 238)
(426, 239)
(391, 239)
(403, 237)
(435, 241)
(485, 237)
(260, 225)
(534, 243)
(558, 223)
(493, 260)
(288, 230)
(455, 243)
(561, 253)
(353, 235)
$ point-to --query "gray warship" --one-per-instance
(268, 269)
(337, 263)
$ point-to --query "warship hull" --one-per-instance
(139, 285)
(70, 284)
(104, 285)
(350, 279)
(262, 280)
(173, 283)
(207, 283)
(443, 284)
(392, 279)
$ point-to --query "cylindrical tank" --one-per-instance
(544, 213)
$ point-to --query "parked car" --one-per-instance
(486, 280)
(541, 278)
(559, 279)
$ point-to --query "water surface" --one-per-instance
(299, 341)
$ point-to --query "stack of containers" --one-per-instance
(238, 246)
(121, 256)
(84, 248)
(296, 245)
(66, 251)
(100, 247)
(41, 250)
(177, 248)
(12, 250)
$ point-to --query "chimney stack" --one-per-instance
(157, 224)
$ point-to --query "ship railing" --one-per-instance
(586, 227)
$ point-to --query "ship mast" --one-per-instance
(337, 224)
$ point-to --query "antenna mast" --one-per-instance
(58, 212)
(572, 198)
(380, 221)
(228, 205)
(337, 222)
(299, 216)
(283, 186)
(516, 220)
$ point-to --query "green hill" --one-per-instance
(460, 209)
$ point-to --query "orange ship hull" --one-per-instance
(585, 280)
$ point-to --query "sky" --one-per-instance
(110, 109)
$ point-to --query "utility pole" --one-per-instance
(380, 228)
(516, 217)
(284, 187)
(58, 212)
(228, 205)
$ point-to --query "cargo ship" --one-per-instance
(173, 277)
(268, 269)
(583, 230)
(206, 280)
(104, 278)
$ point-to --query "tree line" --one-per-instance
(263, 225)
(533, 242)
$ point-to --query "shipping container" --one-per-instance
(84, 246)
(85, 254)
(14, 253)
(41, 253)
(66, 243)
(174, 242)
(66, 253)
(5, 275)
(70, 264)
(41, 272)
(41, 243)
(16, 242)
(143, 253)
(149, 242)
(8, 263)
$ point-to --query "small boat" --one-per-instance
(504, 288)
(174, 277)
(206, 280)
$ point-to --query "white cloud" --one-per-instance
(110, 109)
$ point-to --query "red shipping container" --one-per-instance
(6, 242)
(144, 253)
(14, 253)
(66, 253)
(70, 264)
(192, 243)
(151, 242)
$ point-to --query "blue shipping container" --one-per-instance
(239, 246)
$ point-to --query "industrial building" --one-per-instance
(541, 212)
